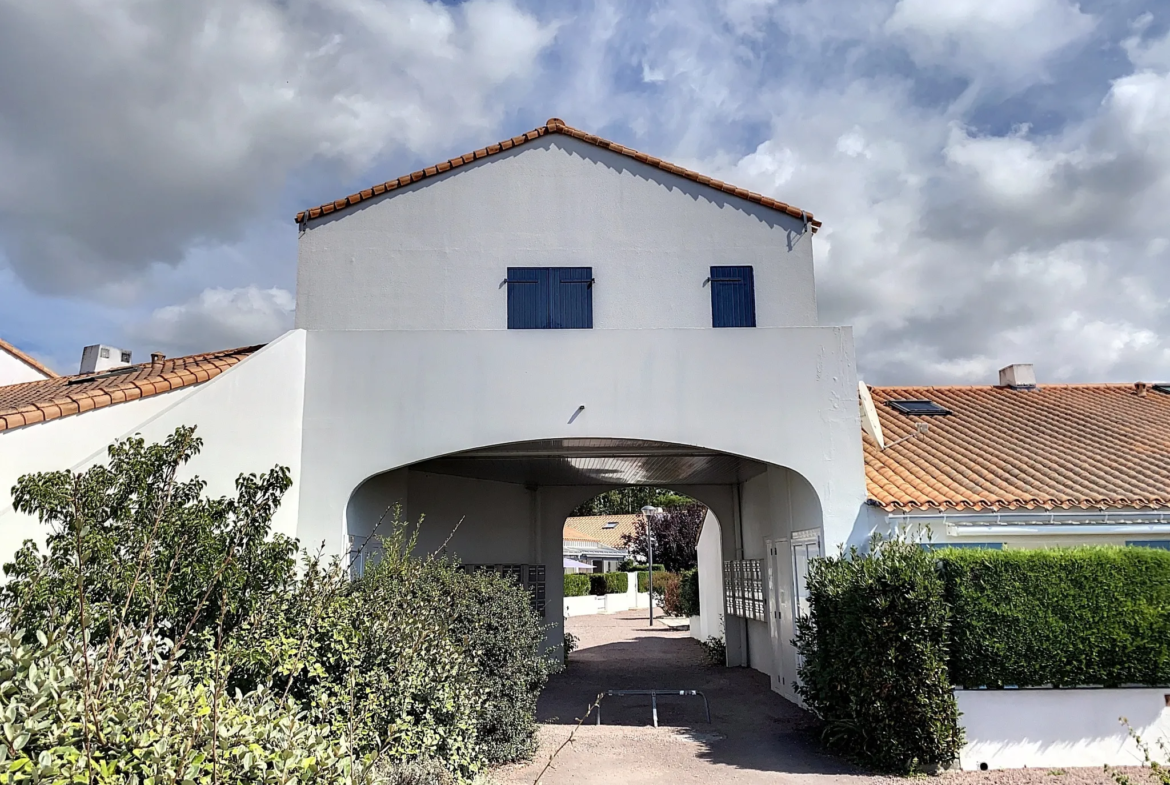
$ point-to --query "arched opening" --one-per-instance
(504, 507)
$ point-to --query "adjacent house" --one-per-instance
(585, 553)
(495, 339)
(17, 366)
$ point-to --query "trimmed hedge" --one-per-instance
(576, 585)
(604, 583)
(689, 594)
(659, 580)
(1093, 615)
(874, 658)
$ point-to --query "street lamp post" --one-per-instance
(647, 511)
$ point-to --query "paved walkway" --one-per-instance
(755, 735)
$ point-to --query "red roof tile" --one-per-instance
(49, 399)
(1054, 447)
(553, 126)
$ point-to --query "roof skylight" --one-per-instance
(917, 407)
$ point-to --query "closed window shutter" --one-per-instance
(528, 298)
(571, 298)
(733, 297)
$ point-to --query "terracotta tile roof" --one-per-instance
(592, 528)
(553, 126)
(34, 402)
(31, 362)
(573, 535)
(1053, 447)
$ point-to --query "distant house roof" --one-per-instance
(553, 126)
(596, 528)
(31, 362)
(49, 399)
(1085, 446)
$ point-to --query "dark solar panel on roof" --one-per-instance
(1162, 388)
(917, 407)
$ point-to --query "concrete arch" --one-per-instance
(507, 504)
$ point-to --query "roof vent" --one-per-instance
(157, 357)
(1020, 376)
(99, 357)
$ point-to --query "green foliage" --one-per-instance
(148, 723)
(715, 650)
(631, 500)
(576, 584)
(1063, 617)
(137, 526)
(689, 593)
(604, 583)
(179, 642)
(670, 588)
(570, 646)
(874, 649)
(675, 534)
(658, 567)
(1156, 773)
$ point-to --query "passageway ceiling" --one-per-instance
(596, 462)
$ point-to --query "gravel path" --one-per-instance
(755, 735)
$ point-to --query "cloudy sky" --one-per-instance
(994, 175)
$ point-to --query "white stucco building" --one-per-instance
(17, 366)
(493, 340)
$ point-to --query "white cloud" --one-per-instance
(218, 319)
(1012, 39)
(154, 125)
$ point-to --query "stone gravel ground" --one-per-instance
(755, 735)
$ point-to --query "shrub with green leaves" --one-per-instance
(1064, 617)
(874, 658)
(689, 594)
(576, 584)
(184, 632)
(604, 583)
(157, 551)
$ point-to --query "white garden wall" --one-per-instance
(1012, 729)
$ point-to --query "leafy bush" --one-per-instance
(570, 646)
(1066, 617)
(576, 584)
(874, 649)
(207, 562)
(675, 534)
(645, 568)
(715, 650)
(689, 594)
(240, 662)
(604, 583)
(660, 576)
(671, 592)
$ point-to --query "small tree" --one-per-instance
(676, 537)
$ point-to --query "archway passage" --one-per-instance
(503, 507)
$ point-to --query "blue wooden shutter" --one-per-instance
(733, 297)
(528, 298)
(571, 298)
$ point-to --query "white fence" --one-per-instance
(588, 605)
(1012, 729)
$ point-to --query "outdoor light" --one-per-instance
(647, 511)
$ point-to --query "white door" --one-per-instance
(777, 606)
(804, 550)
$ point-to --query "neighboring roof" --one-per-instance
(573, 534)
(49, 399)
(1053, 447)
(36, 365)
(592, 528)
(553, 126)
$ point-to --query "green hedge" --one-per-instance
(689, 593)
(659, 580)
(1064, 617)
(874, 658)
(576, 585)
(644, 568)
(604, 583)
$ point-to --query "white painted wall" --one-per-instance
(1011, 729)
(432, 256)
(15, 371)
(710, 568)
(249, 418)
